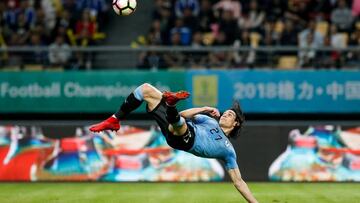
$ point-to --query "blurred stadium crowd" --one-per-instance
(304, 24)
(253, 23)
(55, 23)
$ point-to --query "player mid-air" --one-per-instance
(190, 130)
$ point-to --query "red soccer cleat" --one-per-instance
(108, 124)
(171, 98)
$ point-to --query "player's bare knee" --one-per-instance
(150, 93)
(148, 90)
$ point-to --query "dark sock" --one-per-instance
(172, 114)
(129, 105)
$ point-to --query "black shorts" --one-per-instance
(184, 142)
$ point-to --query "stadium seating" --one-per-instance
(269, 33)
(322, 27)
(265, 28)
(287, 62)
(48, 19)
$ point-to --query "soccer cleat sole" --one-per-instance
(180, 95)
(107, 128)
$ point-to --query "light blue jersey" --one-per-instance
(211, 142)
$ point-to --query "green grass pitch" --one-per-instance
(177, 192)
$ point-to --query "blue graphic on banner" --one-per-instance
(272, 91)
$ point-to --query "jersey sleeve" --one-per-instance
(230, 160)
(200, 118)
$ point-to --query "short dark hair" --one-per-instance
(240, 118)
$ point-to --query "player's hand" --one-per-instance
(214, 112)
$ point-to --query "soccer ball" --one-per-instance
(124, 7)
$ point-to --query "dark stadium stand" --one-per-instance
(306, 24)
(64, 24)
(58, 24)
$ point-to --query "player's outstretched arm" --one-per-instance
(241, 186)
(189, 113)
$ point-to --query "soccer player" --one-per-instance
(190, 130)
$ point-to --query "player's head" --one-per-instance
(233, 118)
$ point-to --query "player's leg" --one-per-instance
(144, 92)
(178, 135)
(152, 96)
(177, 125)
